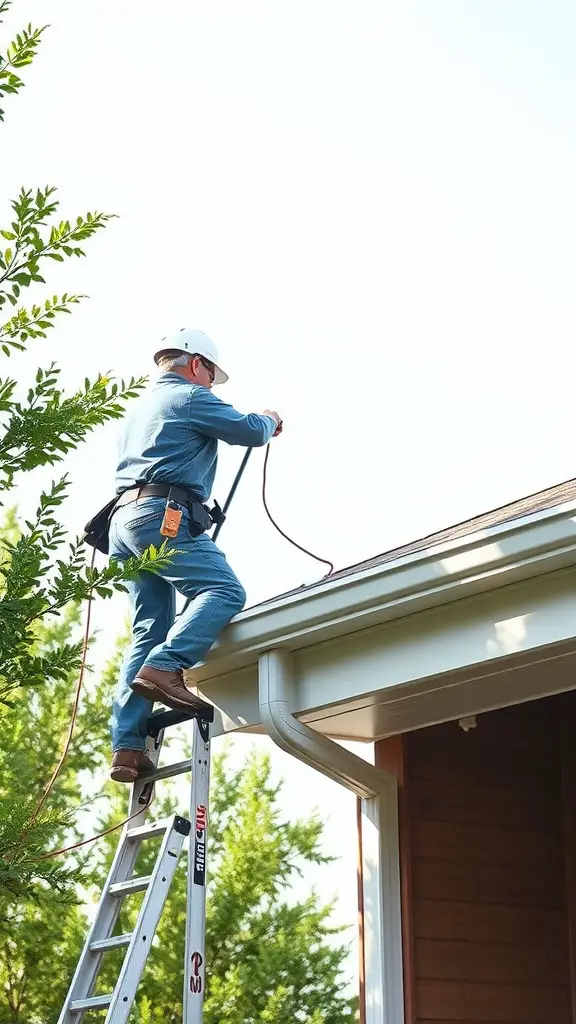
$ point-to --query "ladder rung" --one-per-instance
(155, 828)
(130, 886)
(114, 942)
(93, 1003)
(169, 770)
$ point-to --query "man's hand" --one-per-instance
(275, 416)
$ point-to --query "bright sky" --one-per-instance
(370, 206)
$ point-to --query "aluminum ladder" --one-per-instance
(121, 883)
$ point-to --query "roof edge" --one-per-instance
(486, 560)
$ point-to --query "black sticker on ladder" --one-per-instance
(201, 827)
(203, 729)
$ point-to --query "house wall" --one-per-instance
(487, 862)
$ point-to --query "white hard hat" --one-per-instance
(194, 342)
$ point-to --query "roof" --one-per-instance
(548, 498)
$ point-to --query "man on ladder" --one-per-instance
(166, 468)
(165, 473)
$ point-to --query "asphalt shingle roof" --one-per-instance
(547, 498)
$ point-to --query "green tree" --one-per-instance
(41, 574)
(38, 946)
(270, 959)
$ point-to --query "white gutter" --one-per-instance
(384, 993)
(504, 554)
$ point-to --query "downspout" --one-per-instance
(361, 916)
(384, 998)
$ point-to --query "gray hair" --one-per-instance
(172, 358)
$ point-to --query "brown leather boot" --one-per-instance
(127, 765)
(169, 688)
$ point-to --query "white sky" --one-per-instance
(369, 205)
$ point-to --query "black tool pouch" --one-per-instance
(199, 518)
(97, 529)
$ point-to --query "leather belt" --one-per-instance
(177, 494)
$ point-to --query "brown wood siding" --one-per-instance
(567, 715)
(488, 905)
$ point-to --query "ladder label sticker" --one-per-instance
(196, 962)
(200, 845)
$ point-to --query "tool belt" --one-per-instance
(201, 518)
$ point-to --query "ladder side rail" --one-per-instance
(145, 929)
(195, 954)
(104, 920)
(142, 790)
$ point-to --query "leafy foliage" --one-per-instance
(36, 322)
(19, 54)
(47, 426)
(42, 573)
(39, 572)
(33, 586)
(38, 946)
(33, 240)
(23, 840)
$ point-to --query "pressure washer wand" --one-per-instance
(233, 489)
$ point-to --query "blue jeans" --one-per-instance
(160, 640)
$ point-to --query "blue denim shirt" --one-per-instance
(171, 436)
